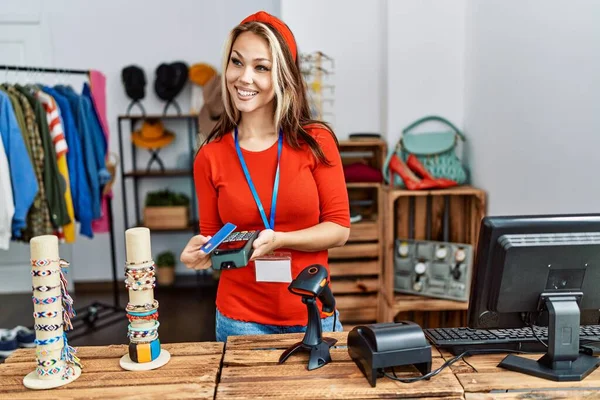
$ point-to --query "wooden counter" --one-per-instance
(190, 374)
(248, 369)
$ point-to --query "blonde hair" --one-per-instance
(291, 112)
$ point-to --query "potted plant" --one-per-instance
(165, 209)
(165, 268)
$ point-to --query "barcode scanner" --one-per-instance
(310, 284)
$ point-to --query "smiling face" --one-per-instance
(248, 76)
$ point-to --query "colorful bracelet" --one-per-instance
(47, 363)
(47, 272)
(46, 314)
(142, 313)
(47, 300)
(42, 342)
(45, 262)
(143, 307)
(48, 328)
(136, 329)
(47, 372)
(44, 288)
(142, 318)
(141, 285)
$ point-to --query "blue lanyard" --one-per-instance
(263, 215)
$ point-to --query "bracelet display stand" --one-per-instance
(145, 352)
(57, 364)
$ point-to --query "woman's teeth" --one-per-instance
(245, 93)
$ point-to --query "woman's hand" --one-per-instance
(191, 255)
(265, 243)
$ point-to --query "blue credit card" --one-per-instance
(218, 238)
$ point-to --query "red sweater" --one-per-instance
(309, 193)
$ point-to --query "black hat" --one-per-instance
(170, 80)
(134, 80)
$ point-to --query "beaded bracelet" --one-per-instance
(150, 317)
(47, 300)
(47, 272)
(141, 285)
(48, 328)
(145, 339)
(44, 288)
(143, 270)
(143, 307)
(42, 342)
(46, 314)
(47, 363)
(137, 335)
(139, 265)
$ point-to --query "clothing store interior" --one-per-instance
(367, 193)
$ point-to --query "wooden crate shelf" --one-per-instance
(467, 208)
(356, 266)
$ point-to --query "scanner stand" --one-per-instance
(313, 341)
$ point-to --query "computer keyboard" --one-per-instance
(459, 340)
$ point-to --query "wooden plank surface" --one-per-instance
(357, 285)
(487, 377)
(420, 303)
(536, 395)
(191, 373)
(353, 268)
(251, 370)
(355, 250)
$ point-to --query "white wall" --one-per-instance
(353, 33)
(532, 104)
(425, 62)
(110, 34)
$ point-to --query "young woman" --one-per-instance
(267, 166)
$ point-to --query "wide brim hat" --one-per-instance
(213, 107)
(152, 135)
(201, 73)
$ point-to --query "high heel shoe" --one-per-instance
(411, 181)
(415, 165)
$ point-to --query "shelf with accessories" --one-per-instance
(449, 215)
(137, 133)
(356, 267)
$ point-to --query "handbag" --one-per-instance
(435, 150)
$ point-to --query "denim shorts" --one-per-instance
(226, 326)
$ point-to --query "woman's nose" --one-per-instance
(246, 76)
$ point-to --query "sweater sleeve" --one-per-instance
(331, 185)
(206, 193)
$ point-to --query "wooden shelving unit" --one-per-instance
(356, 267)
(467, 208)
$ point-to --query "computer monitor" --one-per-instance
(542, 270)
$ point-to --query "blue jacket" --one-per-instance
(98, 138)
(24, 183)
(78, 108)
(80, 188)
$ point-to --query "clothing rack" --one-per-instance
(97, 315)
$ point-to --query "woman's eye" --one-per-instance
(235, 61)
(262, 68)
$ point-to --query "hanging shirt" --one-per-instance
(38, 217)
(24, 184)
(54, 183)
(309, 193)
(80, 188)
(60, 146)
(7, 205)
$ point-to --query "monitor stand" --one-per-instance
(562, 362)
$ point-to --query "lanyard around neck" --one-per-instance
(269, 224)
